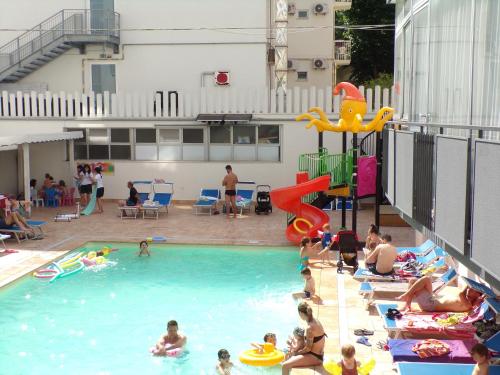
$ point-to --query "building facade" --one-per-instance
(139, 79)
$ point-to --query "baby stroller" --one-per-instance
(263, 200)
(347, 244)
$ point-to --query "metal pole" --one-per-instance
(378, 187)
(354, 182)
(344, 171)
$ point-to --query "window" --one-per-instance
(98, 136)
(103, 78)
(243, 135)
(81, 152)
(220, 134)
(303, 14)
(301, 76)
(120, 144)
(98, 144)
(192, 136)
(170, 144)
(146, 147)
(169, 135)
(98, 152)
(269, 134)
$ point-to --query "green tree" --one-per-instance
(372, 51)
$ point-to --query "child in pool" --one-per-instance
(144, 248)
(268, 338)
(348, 363)
(307, 250)
(480, 355)
(225, 365)
(296, 342)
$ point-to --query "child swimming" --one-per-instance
(225, 365)
(144, 248)
(307, 250)
(268, 338)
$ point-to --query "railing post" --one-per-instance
(62, 23)
(41, 44)
(18, 53)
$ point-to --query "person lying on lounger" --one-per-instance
(10, 218)
(421, 292)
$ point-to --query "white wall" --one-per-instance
(188, 177)
(26, 14)
(8, 172)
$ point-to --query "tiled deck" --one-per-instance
(181, 226)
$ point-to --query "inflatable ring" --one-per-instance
(270, 356)
(302, 220)
(333, 368)
(46, 273)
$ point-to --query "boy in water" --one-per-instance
(268, 338)
(225, 365)
(144, 248)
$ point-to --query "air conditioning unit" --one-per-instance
(320, 8)
(221, 78)
(291, 8)
(319, 63)
(289, 65)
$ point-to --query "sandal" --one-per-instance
(393, 314)
(363, 340)
(363, 332)
(383, 345)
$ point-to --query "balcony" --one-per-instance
(340, 5)
(342, 52)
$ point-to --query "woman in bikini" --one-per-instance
(312, 353)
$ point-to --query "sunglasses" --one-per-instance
(225, 356)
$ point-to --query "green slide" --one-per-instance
(90, 207)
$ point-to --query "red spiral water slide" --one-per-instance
(288, 199)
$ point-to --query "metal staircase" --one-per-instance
(66, 29)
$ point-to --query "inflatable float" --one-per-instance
(270, 356)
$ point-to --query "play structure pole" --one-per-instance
(344, 172)
(378, 183)
(354, 181)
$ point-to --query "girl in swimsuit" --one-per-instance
(307, 249)
(312, 353)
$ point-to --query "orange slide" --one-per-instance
(308, 219)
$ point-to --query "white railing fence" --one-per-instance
(173, 104)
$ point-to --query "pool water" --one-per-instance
(104, 322)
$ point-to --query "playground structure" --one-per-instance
(324, 177)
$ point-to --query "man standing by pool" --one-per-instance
(171, 343)
(229, 182)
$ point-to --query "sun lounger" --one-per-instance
(413, 368)
(368, 290)
(244, 197)
(3, 237)
(17, 232)
(401, 351)
(493, 343)
(422, 323)
(207, 201)
(365, 275)
(164, 199)
(422, 249)
(129, 212)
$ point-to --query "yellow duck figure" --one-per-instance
(352, 111)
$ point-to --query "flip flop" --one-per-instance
(383, 345)
(393, 314)
(364, 341)
(363, 332)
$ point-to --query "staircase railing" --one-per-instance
(64, 22)
(368, 144)
(338, 166)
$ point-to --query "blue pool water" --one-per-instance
(104, 322)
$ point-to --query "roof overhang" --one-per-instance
(221, 119)
(11, 143)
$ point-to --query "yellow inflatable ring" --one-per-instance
(270, 356)
(333, 368)
(301, 220)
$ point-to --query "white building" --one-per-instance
(139, 77)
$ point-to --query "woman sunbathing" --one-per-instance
(11, 218)
(421, 292)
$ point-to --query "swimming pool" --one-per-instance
(104, 322)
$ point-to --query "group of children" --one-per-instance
(295, 343)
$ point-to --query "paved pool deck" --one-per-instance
(341, 310)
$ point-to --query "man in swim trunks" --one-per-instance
(229, 182)
(172, 339)
(421, 292)
(381, 260)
